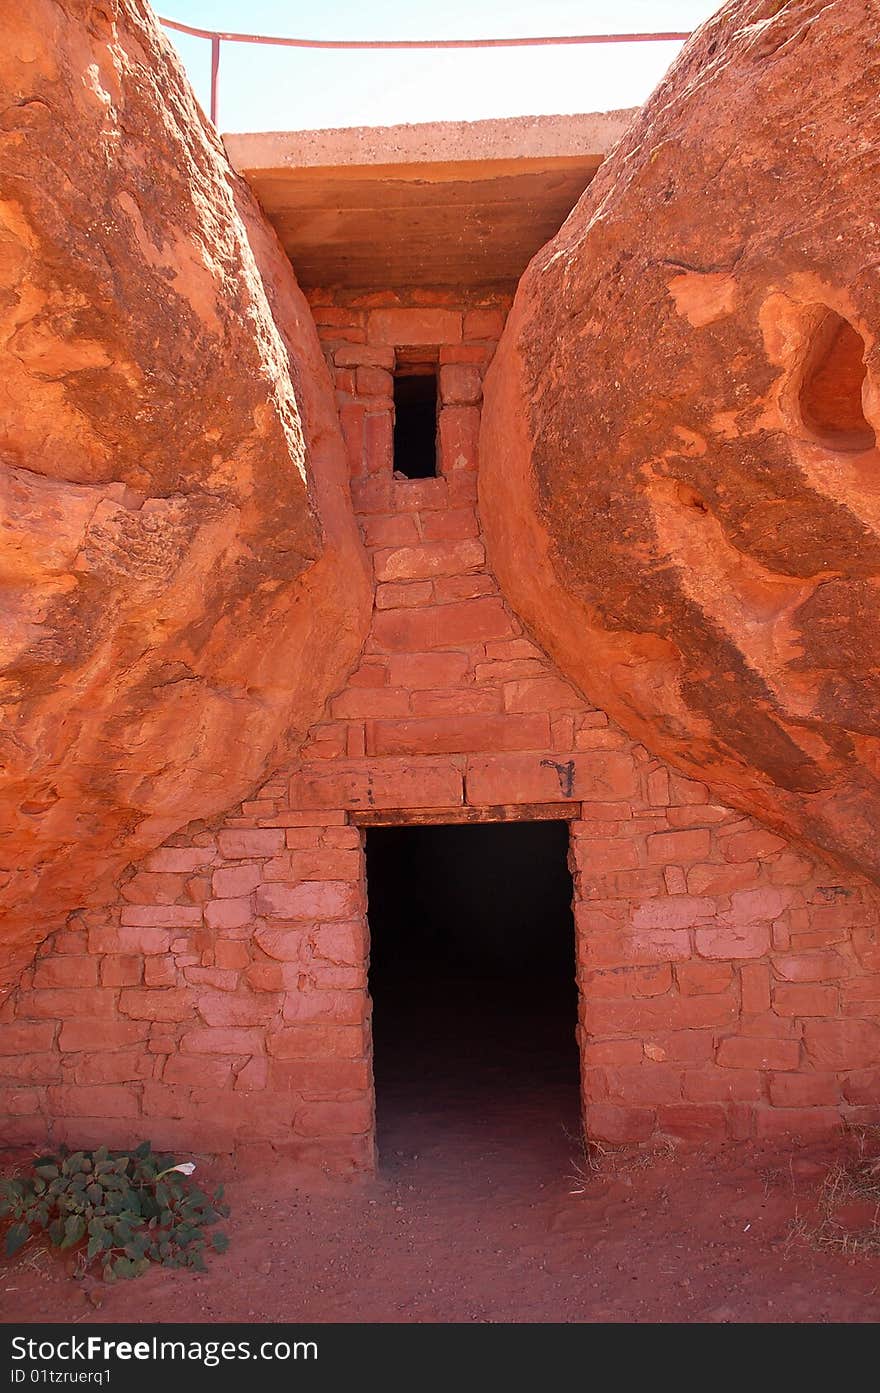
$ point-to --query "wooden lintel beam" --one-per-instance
(431, 817)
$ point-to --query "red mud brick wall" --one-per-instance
(729, 984)
(220, 1002)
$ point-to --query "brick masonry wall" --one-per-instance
(729, 983)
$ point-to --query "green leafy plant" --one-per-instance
(122, 1210)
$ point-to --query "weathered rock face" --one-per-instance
(680, 479)
(182, 583)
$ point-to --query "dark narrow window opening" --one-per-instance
(472, 977)
(415, 422)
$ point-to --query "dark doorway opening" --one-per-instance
(415, 422)
(472, 975)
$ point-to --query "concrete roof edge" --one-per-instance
(504, 138)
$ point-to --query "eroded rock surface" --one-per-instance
(182, 584)
(680, 478)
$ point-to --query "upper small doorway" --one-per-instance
(472, 976)
(416, 399)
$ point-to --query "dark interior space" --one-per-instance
(472, 967)
(415, 424)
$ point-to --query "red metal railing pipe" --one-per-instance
(216, 36)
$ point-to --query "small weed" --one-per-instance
(848, 1182)
(119, 1211)
(586, 1166)
(662, 1150)
(772, 1177)
(596, 1158)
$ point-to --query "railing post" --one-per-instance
(215, 74)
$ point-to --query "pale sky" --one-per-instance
(263, 89)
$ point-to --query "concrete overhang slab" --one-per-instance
(447, 203)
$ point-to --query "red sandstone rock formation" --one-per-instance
(181, 577)
(680, 472)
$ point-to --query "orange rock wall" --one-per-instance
(681, 424)
(176, 532)
(729, 983)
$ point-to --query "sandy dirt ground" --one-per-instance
(489, 1213)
